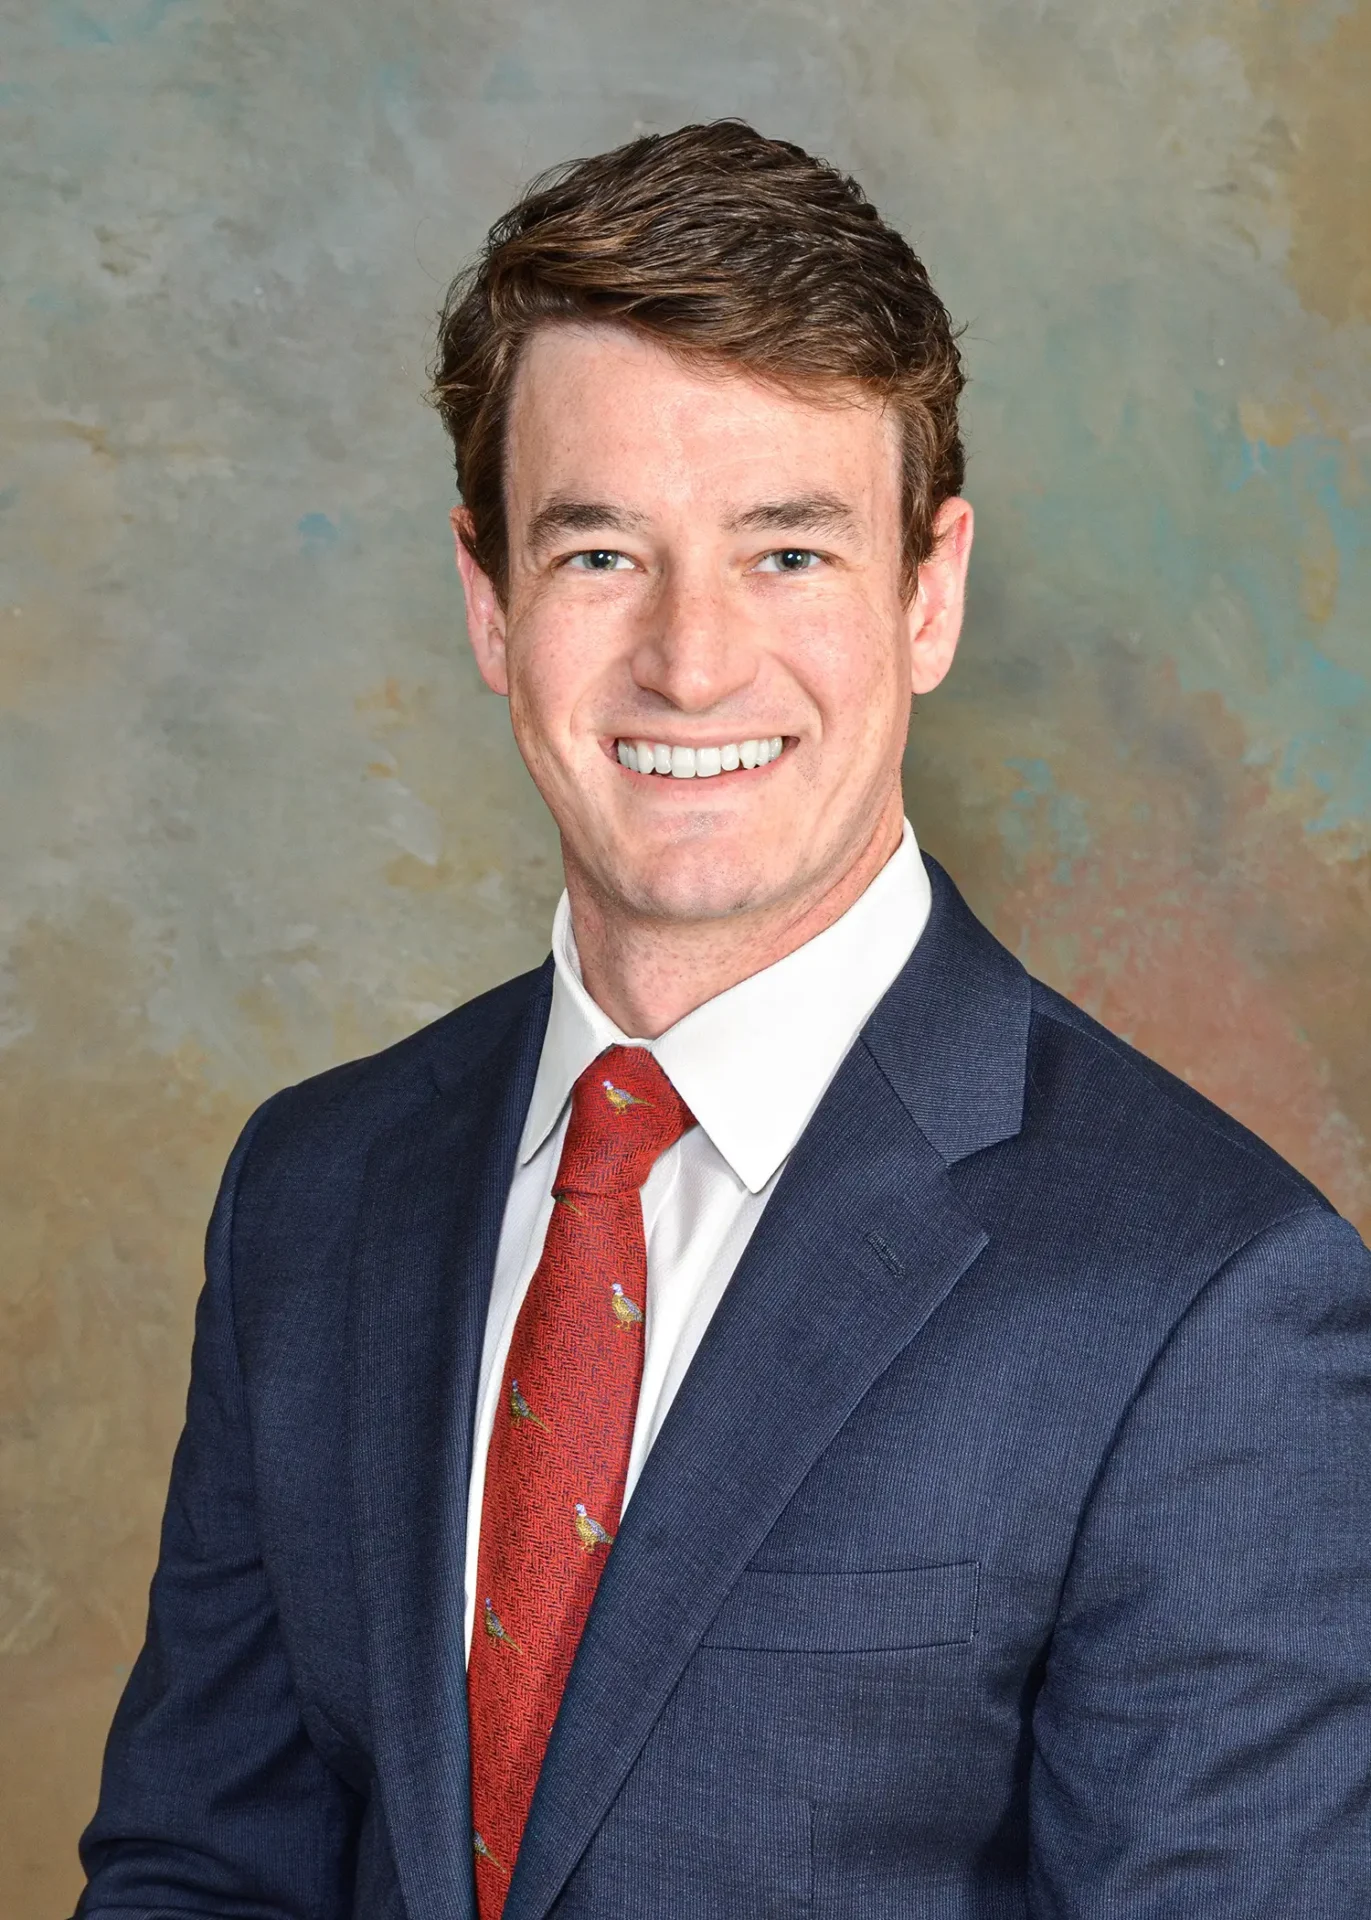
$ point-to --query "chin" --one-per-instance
(696, 883)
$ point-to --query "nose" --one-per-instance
(697, 647)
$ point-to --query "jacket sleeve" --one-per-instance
(1203, 1732)
(213, 1800)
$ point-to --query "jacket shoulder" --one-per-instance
(1164, 1144)
(335, 1115)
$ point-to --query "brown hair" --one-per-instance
(721, 245)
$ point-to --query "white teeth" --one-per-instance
(696, 763)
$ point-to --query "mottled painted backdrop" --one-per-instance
(258, 814)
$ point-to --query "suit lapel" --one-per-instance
(862, 1239)
(429, 1227)
(825, 1296)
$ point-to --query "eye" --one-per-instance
(789, 560)
(598, 560)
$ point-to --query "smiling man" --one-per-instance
(703, 621)
(774, 1412)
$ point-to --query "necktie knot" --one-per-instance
(625, 1113)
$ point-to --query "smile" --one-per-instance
(696, 763)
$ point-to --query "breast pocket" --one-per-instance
(890, 1611)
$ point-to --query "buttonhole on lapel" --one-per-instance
(888, 1259)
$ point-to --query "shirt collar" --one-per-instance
(753, 1063)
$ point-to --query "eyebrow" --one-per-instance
(813, 512)
(804, 512)
(565, 515)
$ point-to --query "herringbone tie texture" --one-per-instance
(559, 1449)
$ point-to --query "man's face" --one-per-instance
(701, 567)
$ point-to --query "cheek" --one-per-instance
(856, 673)
(533, 714)
(554, 671)
(540, 656)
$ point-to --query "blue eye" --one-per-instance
(789, 560)
(599, 560)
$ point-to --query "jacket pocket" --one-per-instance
(783, 1612)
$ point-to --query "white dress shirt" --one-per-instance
(752, 1065)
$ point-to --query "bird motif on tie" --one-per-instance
(620, 1099)
(627, 1312)
(521, 1410)
(483, 1852)
(552, 1499)
(495, 1628)
(589, 1531)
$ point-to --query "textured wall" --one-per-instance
(257, 814)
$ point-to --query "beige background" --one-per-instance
(256, 813)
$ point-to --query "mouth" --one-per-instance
(698, 763)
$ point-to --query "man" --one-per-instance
(885, 1448)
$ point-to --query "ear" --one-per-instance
(935, 613)
(485, 615)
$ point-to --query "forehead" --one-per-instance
(600, 408)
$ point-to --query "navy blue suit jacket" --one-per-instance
(1007, 1550)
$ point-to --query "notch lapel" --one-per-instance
(860, 1241)
(428, 1232)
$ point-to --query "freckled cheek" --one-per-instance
(555, 675)
(849, 669)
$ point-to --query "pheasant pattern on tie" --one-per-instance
(559, 1449)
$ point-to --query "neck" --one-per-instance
(648, 973)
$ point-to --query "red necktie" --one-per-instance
(559, 1448)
